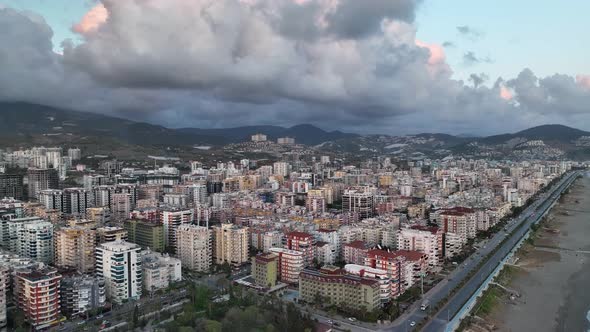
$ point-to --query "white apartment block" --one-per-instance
(428, 240)
(119, 263)
(172, 219)
(159, 270)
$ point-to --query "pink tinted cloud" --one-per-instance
(437, 54)
(92, 19)
(505, 93)
(583, 81)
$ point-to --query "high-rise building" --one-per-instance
(37, 293)
(291, 263)
(200, 195)
(194, 247)
(121, 206)
(119, 263)
(74, 248)
(285, 140)
(230, 244)
(172, 218)
(11, 186)
(41, 179)
(76, 201)
(75, 154)
(146, 233)
(301, 241)
(428, 240)
(258, 138)
(52, 199)
(103, 196)
(358, 200)
(81, 293)
(281, 168)
(32, 238)
(92, 181)
(4, 282)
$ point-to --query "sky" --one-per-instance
(374, 66)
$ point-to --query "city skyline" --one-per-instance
(373, 67)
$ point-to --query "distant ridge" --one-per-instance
(28, 119)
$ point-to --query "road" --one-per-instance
(123, 312)
(444, 288)
(533, 214)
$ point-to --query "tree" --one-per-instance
(135, 315)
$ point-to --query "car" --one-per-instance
(81, 323)
(352, 319)
(99, 316)
(330, 322)
(412, 323)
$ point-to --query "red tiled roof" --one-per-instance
(298, 234)
(357, 245)
(408, 254)
(431, 229)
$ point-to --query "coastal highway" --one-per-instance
(530, 215)
(517, 229)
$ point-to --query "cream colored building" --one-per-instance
(334, 286)
(193, 247)
(230, 244)
(74, 248)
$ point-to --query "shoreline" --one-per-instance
(551, 273)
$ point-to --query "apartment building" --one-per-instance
(331, 285)
(303, 242)
(172, 218)
(4, 282)
(263, 240)
(290, 264)
(74, 248)
(428, 240)
(37, 293)
(230, 244)
(355, 252)
(147, 234)
(119, 263)
(358, 200)
(159, 270)
(265, 269)
(81, 293)
(193, 247)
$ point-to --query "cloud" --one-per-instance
(469, 59)
(214, 63)
(478, 80)
(92, 20)
(583, 81)
(449, 44)
(469, 32)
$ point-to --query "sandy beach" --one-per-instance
(553, 276)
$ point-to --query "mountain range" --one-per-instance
(22, 121)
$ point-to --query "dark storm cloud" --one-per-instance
(227, 63)
(356, 19)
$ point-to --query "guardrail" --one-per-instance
(470, 304)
